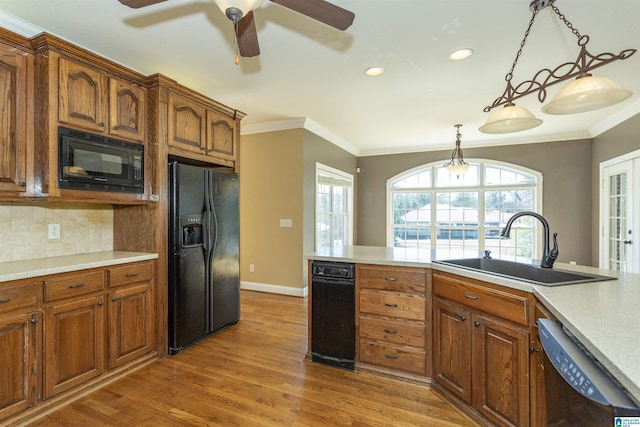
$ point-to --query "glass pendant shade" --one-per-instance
(586, 94)
(510, 118)
(243, 5)
(458, 168)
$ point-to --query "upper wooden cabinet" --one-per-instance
(78, 89)
(16, 121)
(90, 99)
(202, 129)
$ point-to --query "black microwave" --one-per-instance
(99, 163)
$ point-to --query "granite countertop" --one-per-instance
(43, 267)
(601, 315)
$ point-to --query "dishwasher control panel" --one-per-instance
(341, 270)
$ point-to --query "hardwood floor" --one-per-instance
(254, 374)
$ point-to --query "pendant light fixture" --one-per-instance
(586, 93)
(457, 166)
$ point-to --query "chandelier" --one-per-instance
(457, 166)
(585, 93)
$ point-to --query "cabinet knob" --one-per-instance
(476, 323)
(2, 301)
(463, 318)
(115, 128)
(34, 320)
(22, 184)
(101, 124)
(533, 350)
(100, 303)
(114, 299)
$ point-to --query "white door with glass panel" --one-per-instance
(619, 215)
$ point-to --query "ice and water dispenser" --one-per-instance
(191, 230)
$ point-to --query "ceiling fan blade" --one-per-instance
(137, 4)
(322, 11)
(247, 36)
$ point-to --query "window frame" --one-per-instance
(480, 189)
(339, 175)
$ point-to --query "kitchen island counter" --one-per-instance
(16, 270)
(601, 315)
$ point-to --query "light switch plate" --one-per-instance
(286, 223)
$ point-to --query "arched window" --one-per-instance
(429, 208)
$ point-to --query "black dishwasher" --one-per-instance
(333, 329)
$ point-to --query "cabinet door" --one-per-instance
(13, 119)
(73, 344)
(187, 127)
(452, 348)
(220, 136)
(500, 371)
(82, 96)
(127, 112)
(18, 370)
(131, 332)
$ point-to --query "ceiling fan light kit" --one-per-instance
(235, 10)
(585, 93)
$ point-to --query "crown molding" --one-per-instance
(18, 26)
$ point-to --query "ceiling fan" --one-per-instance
(240, 12)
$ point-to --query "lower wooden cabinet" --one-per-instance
(73, 344)
(61, 332)
(18, 364)
(392, 332)
(131, 331)
(480, 354)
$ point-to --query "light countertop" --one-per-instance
(62, 264)
(601, 315)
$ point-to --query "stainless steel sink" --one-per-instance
(525, 272)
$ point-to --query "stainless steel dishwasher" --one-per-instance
(333, 331)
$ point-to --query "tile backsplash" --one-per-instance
(24, 230)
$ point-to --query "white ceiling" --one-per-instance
(310, 75)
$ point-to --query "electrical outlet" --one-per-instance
(251, 268)
(54, 231)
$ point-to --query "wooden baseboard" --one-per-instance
(47, 406)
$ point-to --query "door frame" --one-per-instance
(634, 221)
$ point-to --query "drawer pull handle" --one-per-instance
(391, 279)
(77, 285)
(390, 331)
(2, 301)
(133, 274)
(466, 295)
(390, 305)
(391, 356)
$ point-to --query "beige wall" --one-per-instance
(24, 230)
(277, 181)
(271, 177)
(566, 170)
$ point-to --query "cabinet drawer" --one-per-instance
(18, 294)
(404, 279)
(410, 334)
(66, 286)
(131, 273)
(499, 303)
(392, 304)
(393, 357)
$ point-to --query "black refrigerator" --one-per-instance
(204, 284)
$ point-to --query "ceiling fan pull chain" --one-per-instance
(235, 40)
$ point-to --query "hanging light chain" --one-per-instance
(567, 23)
(509, 75)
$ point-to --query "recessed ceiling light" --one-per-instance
(460, 54)
(374, 71)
